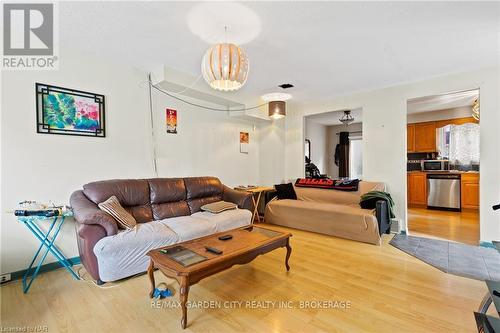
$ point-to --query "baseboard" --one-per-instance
(486, 244)
(45, 268)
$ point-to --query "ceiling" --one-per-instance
(332, 117)
(325, 49)
(442, 102)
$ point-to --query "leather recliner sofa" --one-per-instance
(167, 211)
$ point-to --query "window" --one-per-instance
(355, 158)
(307, 149)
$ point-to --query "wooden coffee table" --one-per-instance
(247, 243)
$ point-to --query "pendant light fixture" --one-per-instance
(475, 109)
(346, 118)
(277, 109)
(225, 66)
(277, 104)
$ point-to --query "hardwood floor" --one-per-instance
(388, 291)
(461, 227)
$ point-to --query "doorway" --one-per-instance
(332, 148)
(443, 167)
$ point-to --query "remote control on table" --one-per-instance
(213, 250)
(225, 237)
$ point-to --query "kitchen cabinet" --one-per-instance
(421, 137)
(456, 121)
(410, 138)
(425, 137)
(470, 190)
(417, 188)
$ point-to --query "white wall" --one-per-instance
(272, 152)
(50, 167)
(384, 136)
(316, 133)
(206, 144)
(462, 112)
(332, 141)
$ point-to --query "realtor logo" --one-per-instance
(29, 36)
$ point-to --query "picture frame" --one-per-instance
(244, 142)
(67, 111)
(171, 120)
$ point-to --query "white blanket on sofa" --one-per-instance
(124, 254)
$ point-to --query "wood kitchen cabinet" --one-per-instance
(417, 188)
(421, 137)
(410, 138)
(456, 121)
(470, 190)
(425, 137)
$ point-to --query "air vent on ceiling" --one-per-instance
(286, 85)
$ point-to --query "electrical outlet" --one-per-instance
(5, 278)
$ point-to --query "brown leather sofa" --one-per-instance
(147, 200)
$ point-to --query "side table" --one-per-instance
(256, 191)
(47, 240)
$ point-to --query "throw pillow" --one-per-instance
(218, 207)
(330, 184)
(124, 219)
(285, 191)
(346, 185)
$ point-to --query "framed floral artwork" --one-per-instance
(69, 111)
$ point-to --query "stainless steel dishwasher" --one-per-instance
(443, 191)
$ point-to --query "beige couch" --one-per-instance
(330, 212)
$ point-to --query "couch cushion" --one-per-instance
(188, 227)
(337, 197)
(170, 209)
(133, 195)
(201, 191)
(124, 254)
(227, 220)
(199, 187)
(167, 190)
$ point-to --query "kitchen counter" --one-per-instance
(418, 187)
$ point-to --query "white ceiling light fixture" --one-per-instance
(346, 118)
(225, 67)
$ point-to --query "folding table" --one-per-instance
(47, 240)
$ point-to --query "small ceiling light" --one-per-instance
(475, 109)
(346, 118)
(225, 67)
(286, 85)
(277, 109)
